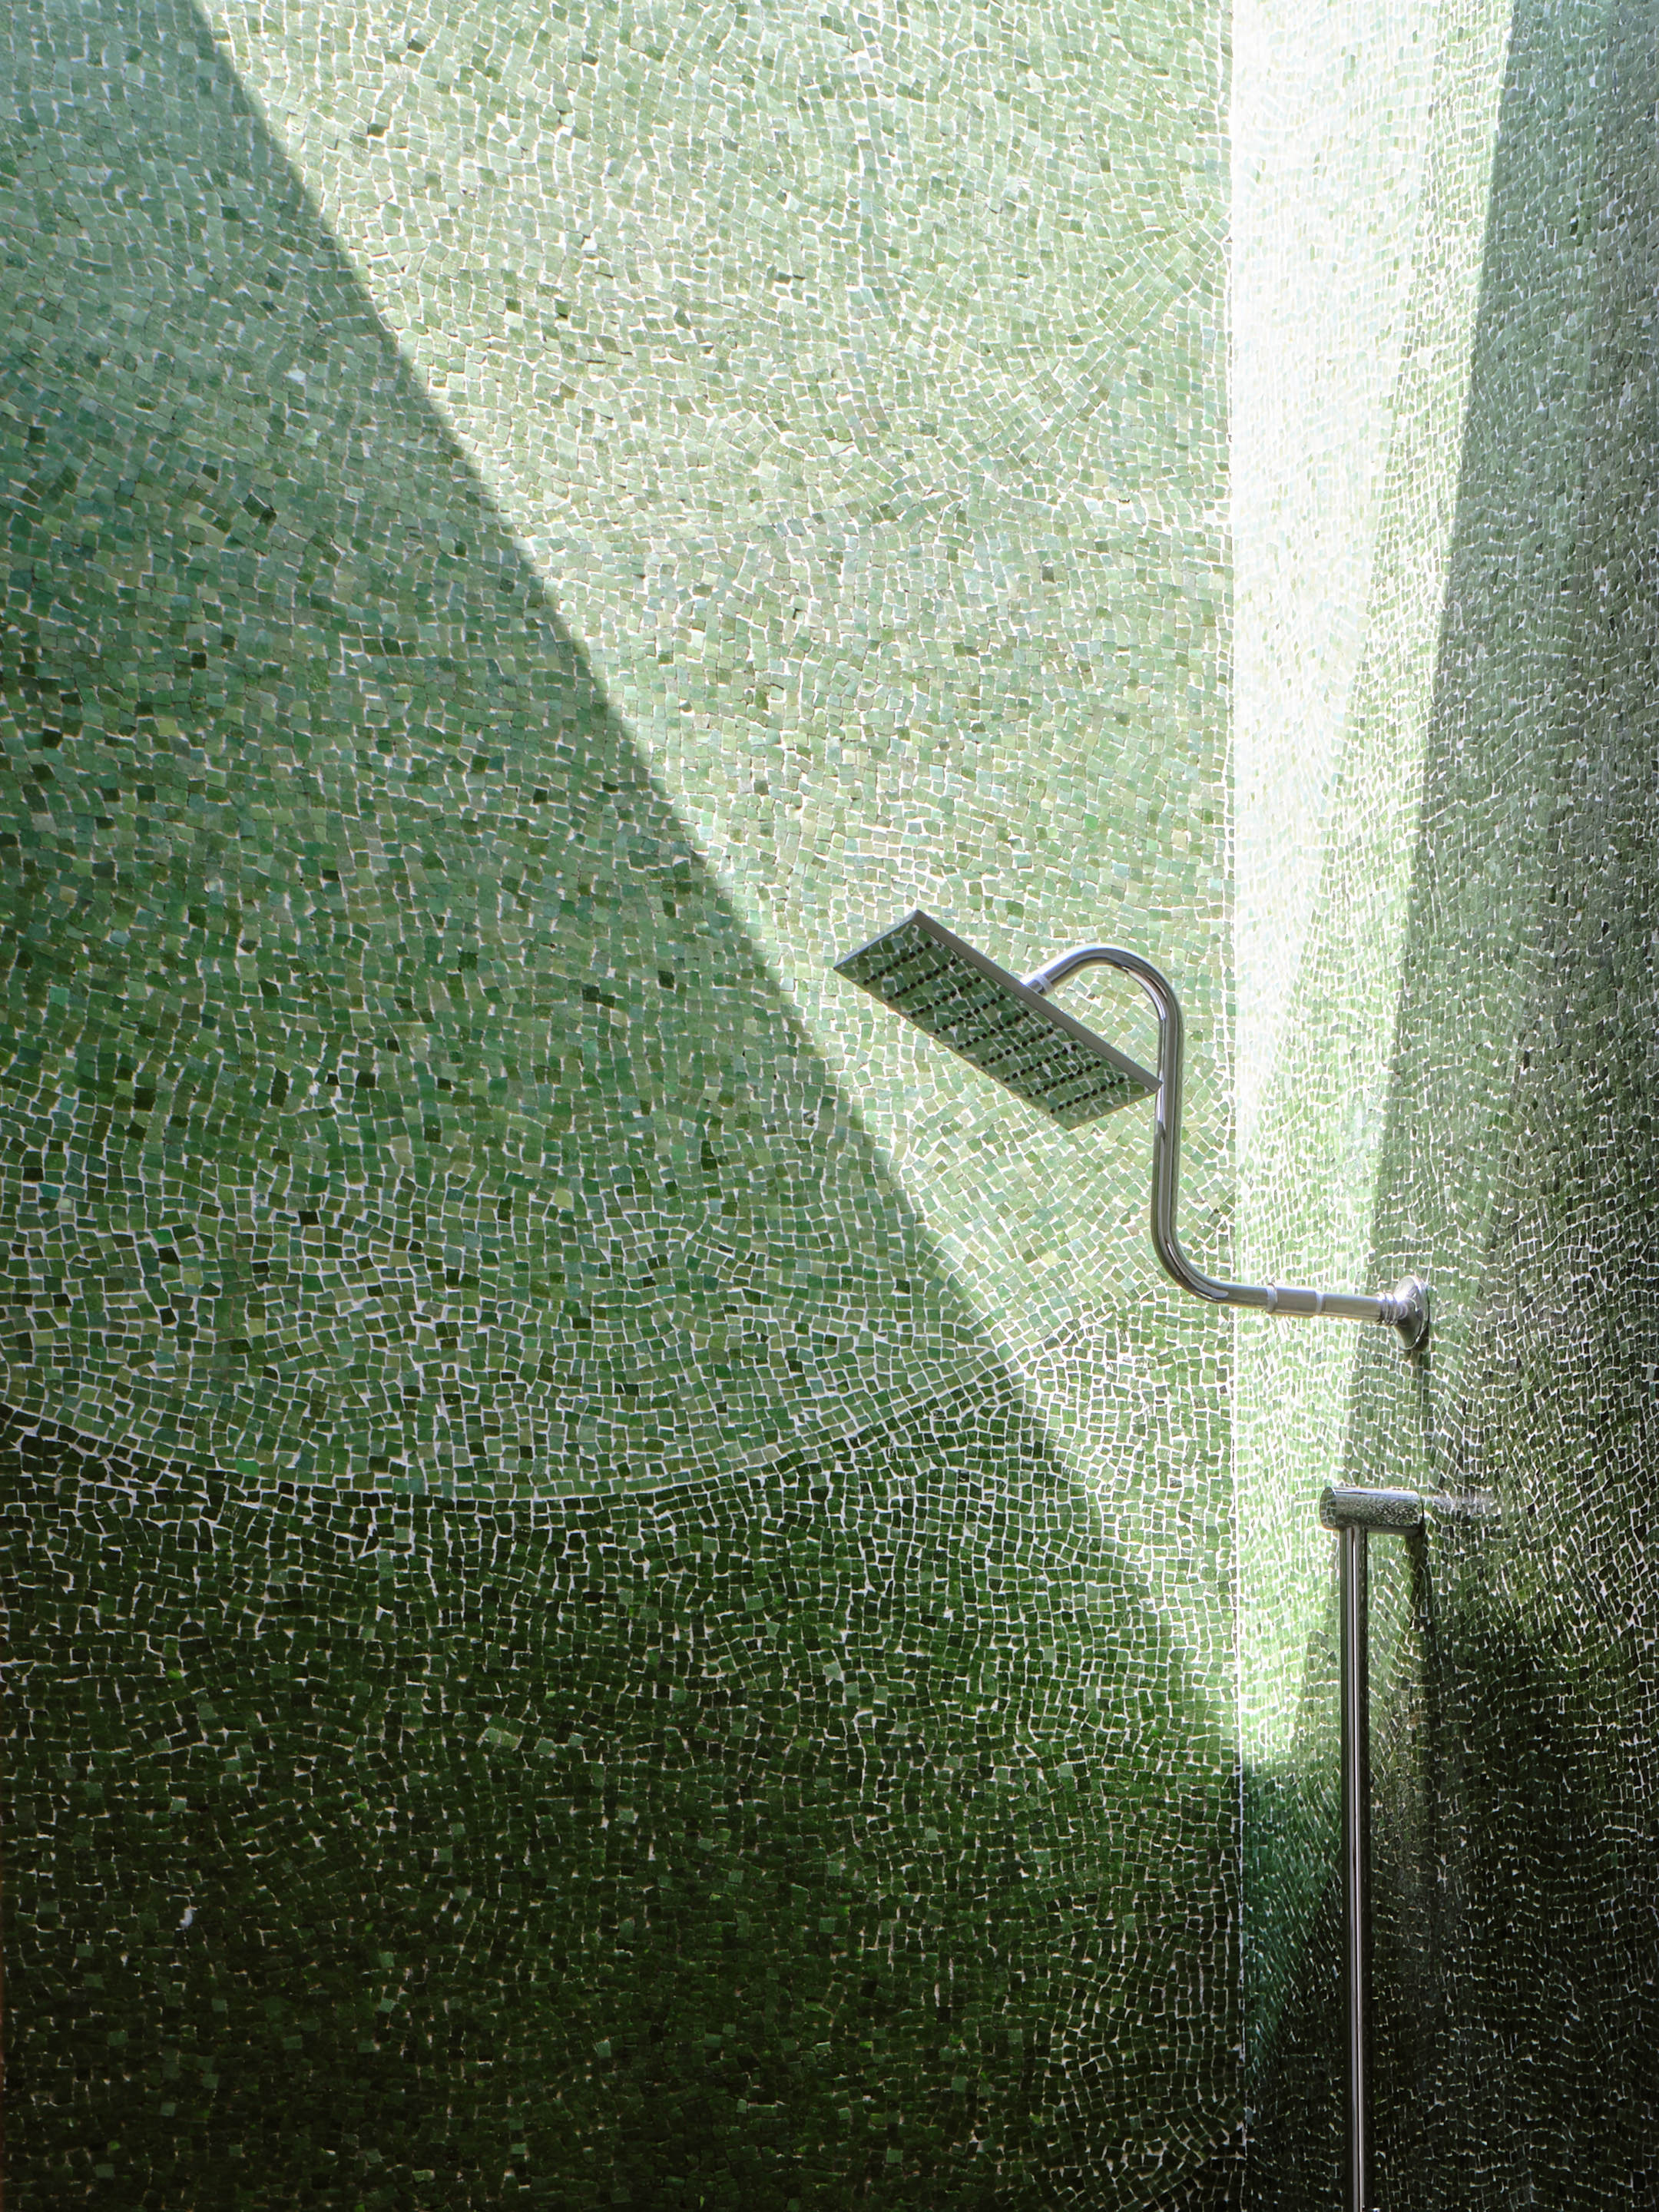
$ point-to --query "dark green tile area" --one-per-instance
(720, 1846)
(1517, 1848)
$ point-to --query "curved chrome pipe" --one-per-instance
(1405, 1307)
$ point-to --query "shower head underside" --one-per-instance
(1008, 1028)
(1004, 1028)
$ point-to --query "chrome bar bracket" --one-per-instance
(1405, 1308)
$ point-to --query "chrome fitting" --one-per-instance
(1393, 1512)
(1409, 1306)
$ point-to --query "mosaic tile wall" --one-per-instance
(620, 1582)
(1450, 1064)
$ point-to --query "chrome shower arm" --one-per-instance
(1405, 1307)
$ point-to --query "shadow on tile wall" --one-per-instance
(1517, 1872)
(410, 1849)
(399, 1131)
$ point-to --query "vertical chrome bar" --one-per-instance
(1356, 1865)
(1351, 1514)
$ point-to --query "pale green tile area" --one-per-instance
(1005, 701)
(1357, 267)
(664, 1568)
(860, 402)
(1462, 1083)
(1364, 456)
(1331, 137)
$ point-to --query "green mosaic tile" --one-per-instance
(729, 1844)
(1459, 1080)
(530, 533)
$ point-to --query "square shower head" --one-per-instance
(920, 969)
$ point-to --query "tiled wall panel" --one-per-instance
(1511, 1143)
(845, 1835)
(621, 1579)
